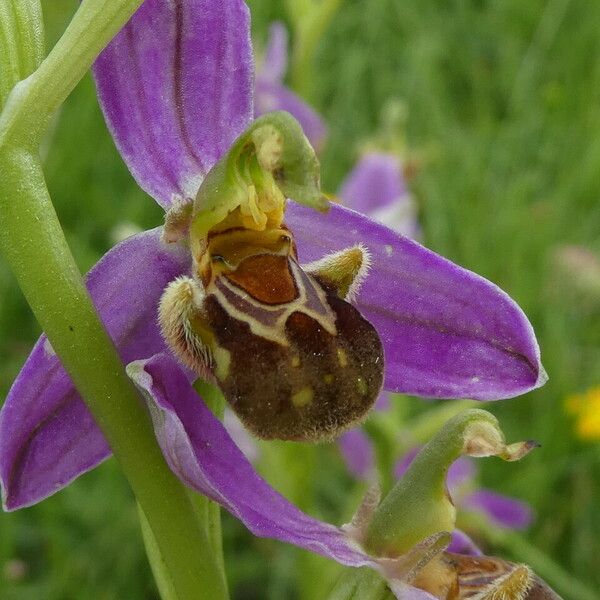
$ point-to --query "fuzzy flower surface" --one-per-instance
(176, 88)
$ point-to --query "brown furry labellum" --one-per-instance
(294, 359)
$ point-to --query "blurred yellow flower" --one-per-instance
(586, 409)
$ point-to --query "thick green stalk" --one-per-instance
(34, 245)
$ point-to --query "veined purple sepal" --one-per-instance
(47, 435)
(447, 332)
(175, 86)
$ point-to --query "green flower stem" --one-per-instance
(209, 511)
(34, 100)
(34, 245)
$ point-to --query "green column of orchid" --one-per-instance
(419, 505)
(33, 243)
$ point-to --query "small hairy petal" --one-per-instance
(47, 435)
(447, 332)
(501, 510)
(175, 86)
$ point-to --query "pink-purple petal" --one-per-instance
(358, 453)
(501, 510)
(447, 332)
(175, 86)
(462, 472)
(47, 435)
(405, 461)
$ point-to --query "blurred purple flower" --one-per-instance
(271, 93)
(499, 510)
(175, 86)
(358, 453)
(376, 188)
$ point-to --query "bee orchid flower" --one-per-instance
(176, 89)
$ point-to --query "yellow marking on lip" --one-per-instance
(295, 361)
(222, 361)
(303, 398)
(342, 357)
(361, 386)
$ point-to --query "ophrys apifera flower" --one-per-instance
(176, 89)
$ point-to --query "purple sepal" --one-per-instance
(462, 544)
(357, 451)
(501, 510)
(47, 435)
(447, 332)
(175, 86)
(271, 93)
(200, 452)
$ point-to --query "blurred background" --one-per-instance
(501, 142)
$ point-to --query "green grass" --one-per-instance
(504, 106)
